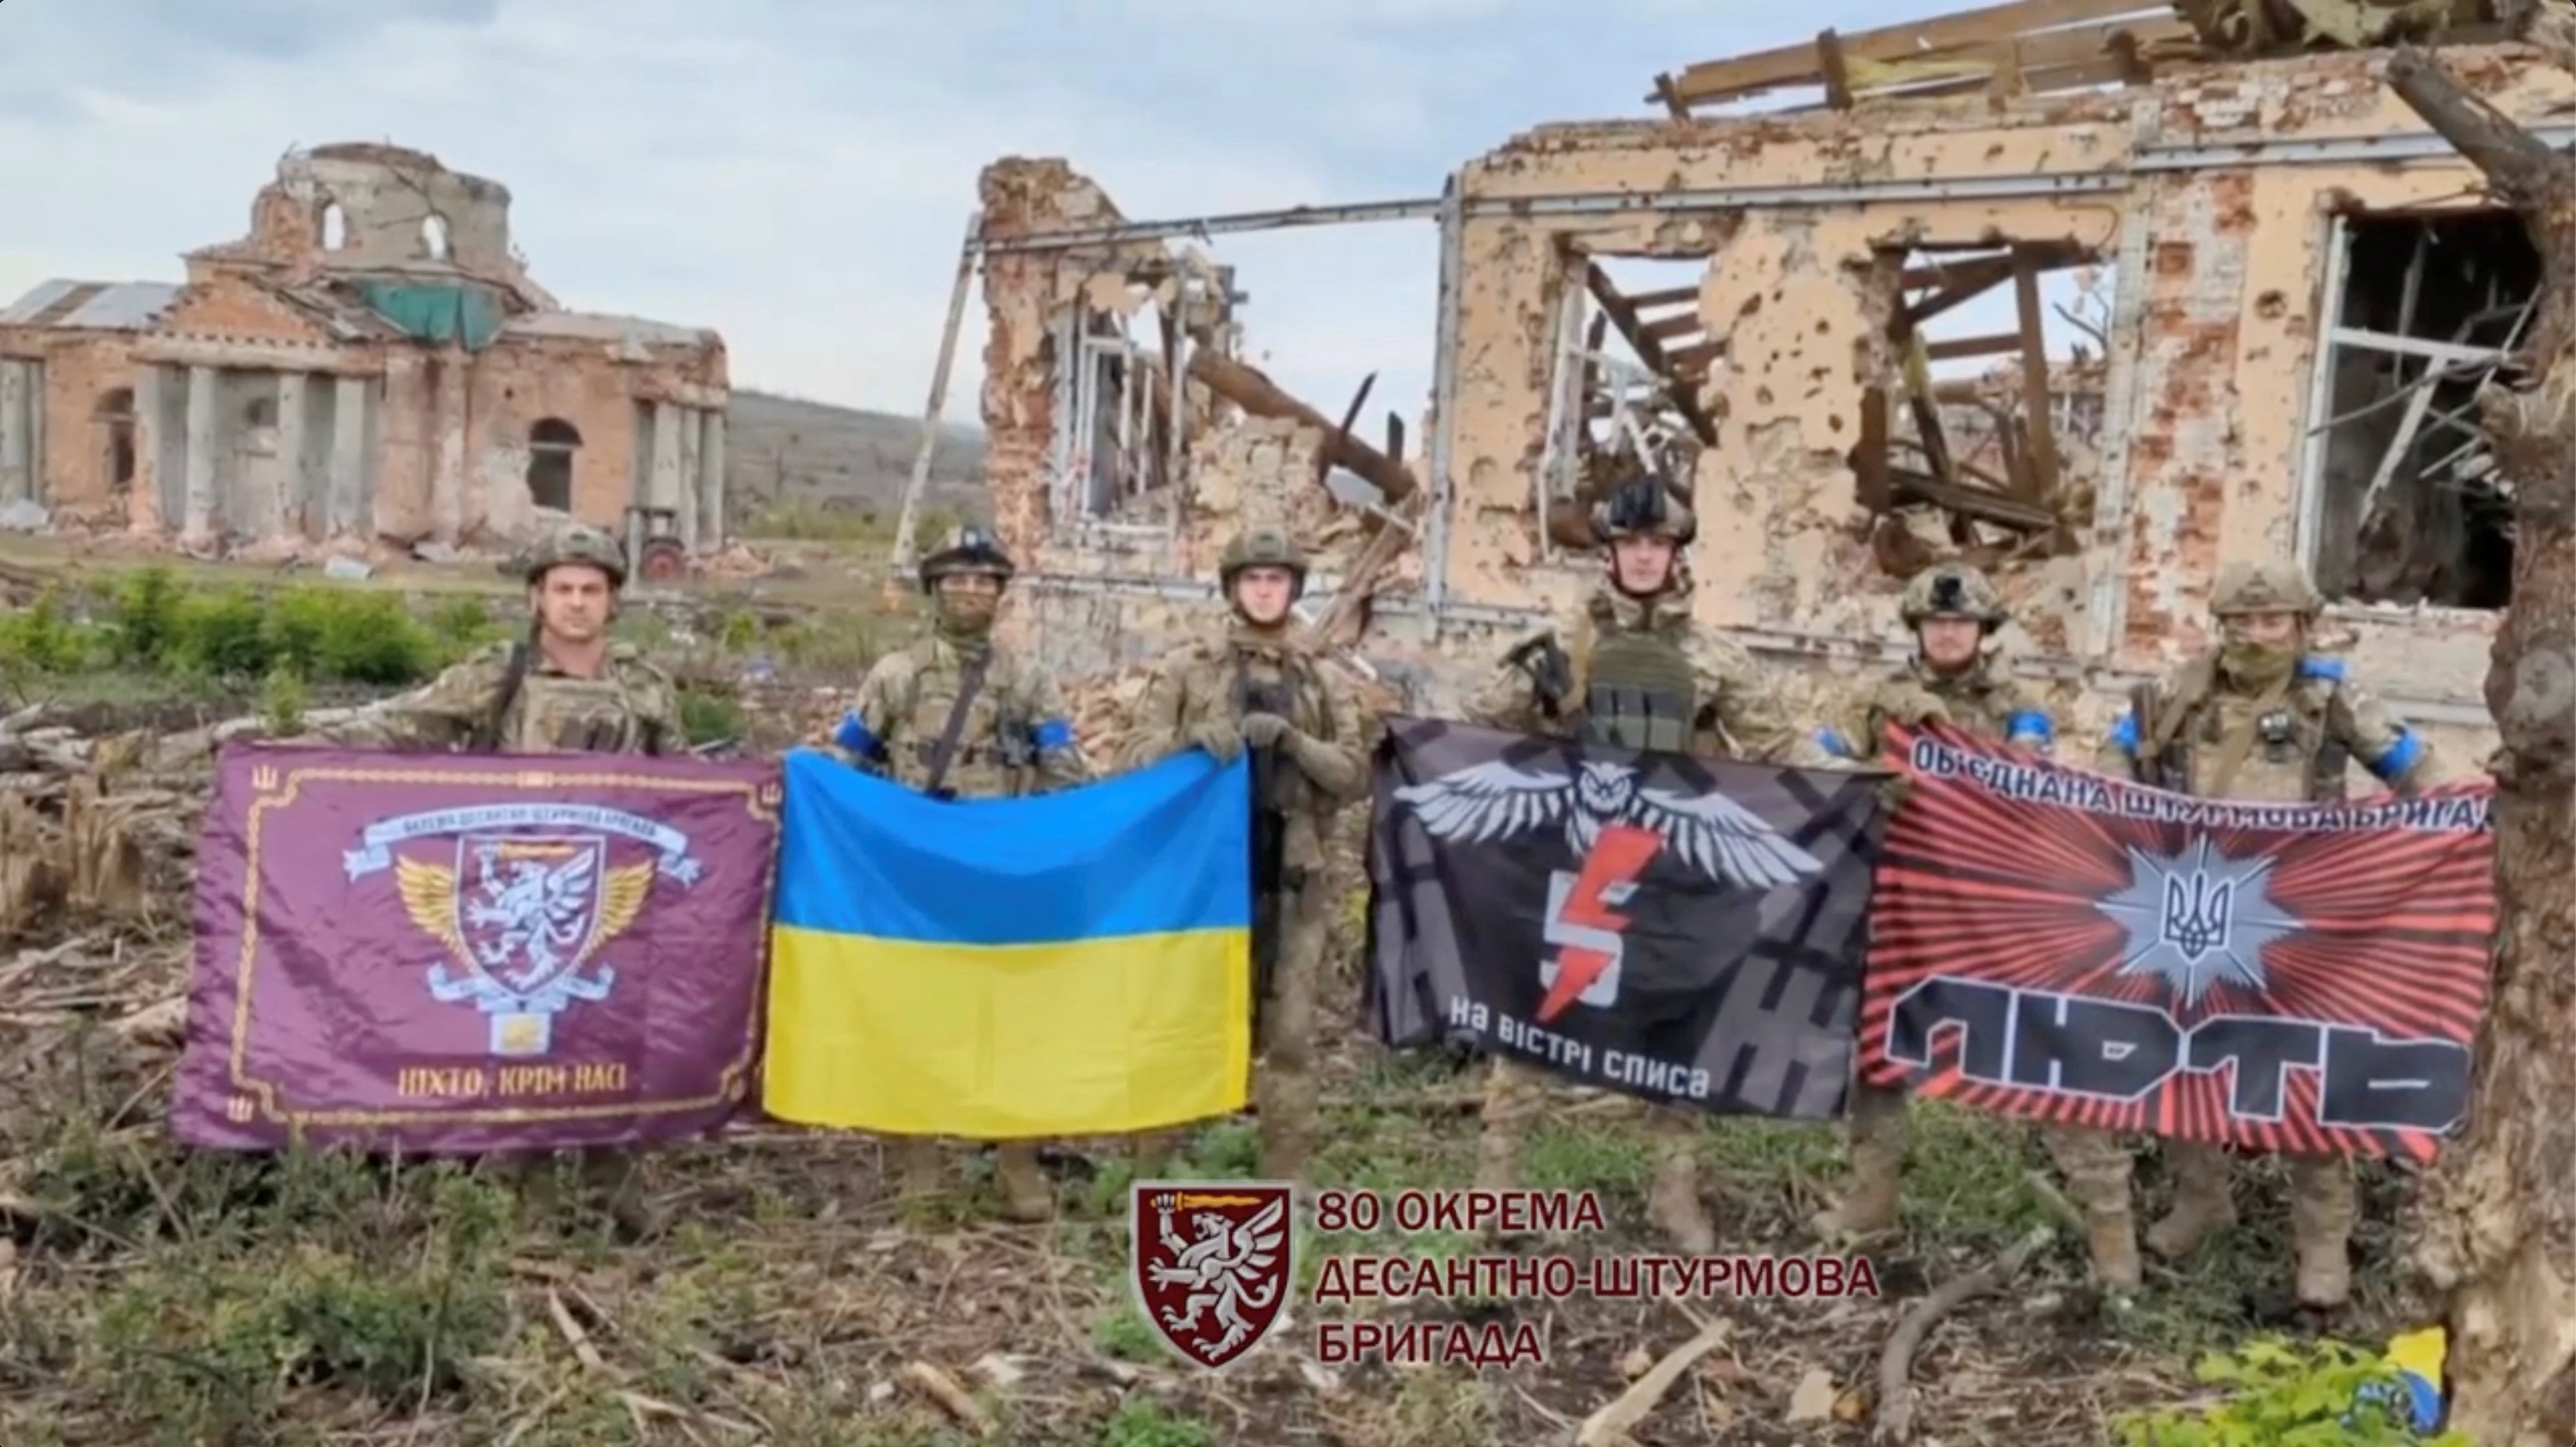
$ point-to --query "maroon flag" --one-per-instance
(462, 953)
(2064, 946)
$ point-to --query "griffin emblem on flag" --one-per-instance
(522, 915)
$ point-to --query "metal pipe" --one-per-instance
(1444, 391)
(2308, 495)
(938, 394)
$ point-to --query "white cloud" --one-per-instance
(797, 173)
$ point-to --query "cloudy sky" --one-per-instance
(798, 173)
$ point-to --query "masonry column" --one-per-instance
(347, 490)
(664, 480)
(198, 503)
(17, 444)
(447, 450)
(711, 480)
(285, 505)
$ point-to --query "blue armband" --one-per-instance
(2124, 734)
(2318, 666)
(2030, 724)
(1053, 733)
(1831, 740)
(2402, 754)
(853, 735)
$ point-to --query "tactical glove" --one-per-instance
(1893, 793)
(1219, 738)
(1262, 730)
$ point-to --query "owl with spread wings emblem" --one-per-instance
(522, 915)
(1708, 832)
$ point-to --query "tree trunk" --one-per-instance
(2499, 1210)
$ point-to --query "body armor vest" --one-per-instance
(555, 714)
(1641, 694)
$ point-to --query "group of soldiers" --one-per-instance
(959, 715)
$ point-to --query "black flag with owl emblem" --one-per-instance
(1689, 931)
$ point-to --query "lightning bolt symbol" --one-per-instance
(1617, 858)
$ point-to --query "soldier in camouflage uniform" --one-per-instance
(959, 717)
(1634, 672)
(1957, 677)
(564, 688)
(1258, 685)
(2260, 719)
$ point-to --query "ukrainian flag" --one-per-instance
(1075, 963)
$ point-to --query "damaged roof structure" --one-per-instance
(2302, 290)
(372, 360)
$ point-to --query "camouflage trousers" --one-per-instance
(1283, 1079)
(1515, 1098)
(2323, 1204)
(1880, 1133)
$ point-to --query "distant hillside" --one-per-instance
(787, 458)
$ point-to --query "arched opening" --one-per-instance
(114, 416)
(433, 237)
(259, 427)
(552, 445)
(334, 227)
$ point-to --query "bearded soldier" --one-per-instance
(2259, 719)
(958, 717)
(1259, 686)
(1957, 676)
(1634, 672)
(564, 688)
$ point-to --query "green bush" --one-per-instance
(223, 632)
(40, 639)
(144, 620)
(2284, 1396)
(319, 634)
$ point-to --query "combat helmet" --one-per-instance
(2277, 587)
(589, 546)
(1261, 548)
(1643, 507)
(966, 549)
(1952, 590)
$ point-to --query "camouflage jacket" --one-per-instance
(632, 708)
(1984, 699)
(1738, 700)
(2179, 732)
(1015, 738)
(1220, 680)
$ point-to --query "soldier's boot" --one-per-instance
(2097, 1173)
(2322, 1207)
(1673, 1202)
(1287, 1081)
(1868, 1207)
(920, 1172)
(1026, 1194)
(2203, 1202)
(614, 1180)
(1514, 1094)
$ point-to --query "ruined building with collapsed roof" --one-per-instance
(2306, 291)
(372, 360)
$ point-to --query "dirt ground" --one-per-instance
(153, 1295)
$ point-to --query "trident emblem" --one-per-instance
(2196, 915)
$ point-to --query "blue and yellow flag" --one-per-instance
(1077, 963)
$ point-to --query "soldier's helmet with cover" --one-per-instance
(588, 546)
(1261, 548)
(964, 550)
(2277, 587)
(1952, 590)
(1643, 506)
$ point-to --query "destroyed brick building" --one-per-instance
(371, 361)
(2307, 290)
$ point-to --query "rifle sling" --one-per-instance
(969, 684)
(514, 675)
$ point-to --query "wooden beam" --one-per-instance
(2036, 423)
(1249, 388)
(1955, 348)
(1873, 486)
(1788, 65)
(1969, 502)
(1685, 392)
(1679, 325)
(1669, 296)
(1695, 359)
(1831, 68)
(1970, 286)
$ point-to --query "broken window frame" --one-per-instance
(1138, 458)
(1647, 410)
(2445, 361)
